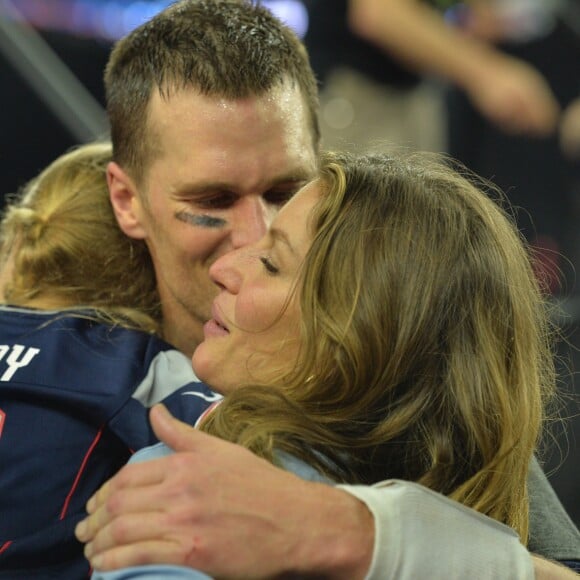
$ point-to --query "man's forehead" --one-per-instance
(284, 101)
(246, 144)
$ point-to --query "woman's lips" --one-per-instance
(212, 328)
(215, 325)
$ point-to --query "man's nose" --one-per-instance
(251, 221)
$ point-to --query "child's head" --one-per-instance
(61, 247)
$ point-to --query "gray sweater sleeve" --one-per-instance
(422, 534)
(553, 535)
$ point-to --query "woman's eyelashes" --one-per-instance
(268, 265)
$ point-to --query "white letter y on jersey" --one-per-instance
(13, 361)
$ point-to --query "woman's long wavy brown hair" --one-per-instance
(63, 244)
(426, 348)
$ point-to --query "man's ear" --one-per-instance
(126, 202)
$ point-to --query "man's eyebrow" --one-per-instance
(281, 236)
(201, 188)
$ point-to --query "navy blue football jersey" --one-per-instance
(74, 400)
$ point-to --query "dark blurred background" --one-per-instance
(31, 133)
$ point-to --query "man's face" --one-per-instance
(223, 171)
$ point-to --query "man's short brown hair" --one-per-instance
(232, 49)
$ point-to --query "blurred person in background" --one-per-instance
(537, 176)
(376, 60)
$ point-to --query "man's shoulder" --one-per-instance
(553, 535)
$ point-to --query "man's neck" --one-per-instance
(182, 332)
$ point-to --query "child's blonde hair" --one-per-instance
(59, 241)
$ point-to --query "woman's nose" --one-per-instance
(225, 271)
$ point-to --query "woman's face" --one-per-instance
(253, 335)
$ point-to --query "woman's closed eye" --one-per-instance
(269, 266)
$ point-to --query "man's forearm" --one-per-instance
(339, 538)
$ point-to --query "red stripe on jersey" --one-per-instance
(80, 472)
(5, 546)
(206, 413)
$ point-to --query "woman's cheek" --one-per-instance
(257, 312)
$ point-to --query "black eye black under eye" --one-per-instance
(270, 268)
